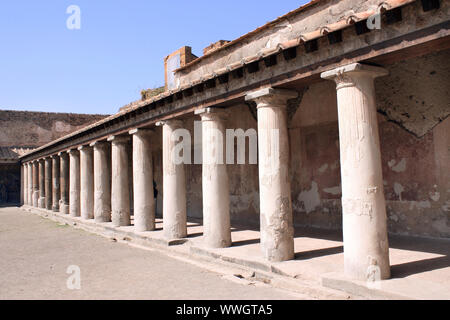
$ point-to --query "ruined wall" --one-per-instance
(33, 129)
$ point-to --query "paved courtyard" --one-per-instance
(35, 254)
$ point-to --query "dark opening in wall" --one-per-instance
(188, 92)
(223, 78)
(199, 87)
(238, 73)
(253, 67)
(211, 83)
(290, 53)
(393, 16)
(361, 27)
(311, 46)
(428, 5)
(335, 37)
(270, 60)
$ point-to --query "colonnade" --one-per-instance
(93, 180)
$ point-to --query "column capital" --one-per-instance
(212, 113)
(73, 151)
(80, 148)
(54, 156)
(118, 139)
(273, 97)
(141, 132)
(99, 143)
(345, 76)
(63, 154)
(170, 122)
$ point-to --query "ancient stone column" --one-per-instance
(74, 187)
(144, 202)
(174, 185)
(102, 181)
(86, 182)
(48, 183)
(120, 191)
(64, 182)
(30, 183)
(363, 205)
(56, 195)
(277, 231)
(36, 183)
(41, 201)
(22, 184)
(215, 185)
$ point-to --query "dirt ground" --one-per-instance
(35, 254)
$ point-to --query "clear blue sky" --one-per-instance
(118, 51)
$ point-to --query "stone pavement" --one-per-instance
(420, 267)
(35, 254)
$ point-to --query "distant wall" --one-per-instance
(34, 129)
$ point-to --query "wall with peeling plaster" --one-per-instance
(414, 104)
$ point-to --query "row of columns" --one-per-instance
(94, 193)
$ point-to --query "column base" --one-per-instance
(121, 219)
(176, 231)
(285, 253)
(64, 208)
(36, 199)
(214, 244)
(102, 219)
(41, 202)
(143, 228)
